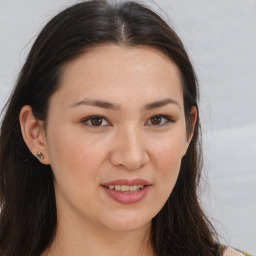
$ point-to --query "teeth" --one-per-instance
(133, 188)
(126, 188)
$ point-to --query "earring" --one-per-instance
(40, 155)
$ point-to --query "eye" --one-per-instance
(159, 120)
(95, 121)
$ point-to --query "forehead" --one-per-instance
(117, 73)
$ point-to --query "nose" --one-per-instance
(129, 151)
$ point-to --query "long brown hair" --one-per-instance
(28, 216)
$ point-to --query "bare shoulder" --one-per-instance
(228, 251)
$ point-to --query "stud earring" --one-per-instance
(40, 155)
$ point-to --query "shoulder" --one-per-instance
(229, 251)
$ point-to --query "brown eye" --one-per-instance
(156, 120)
(97, 121)
(160, 120)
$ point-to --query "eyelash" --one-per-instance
(90, 118)
(167, 118)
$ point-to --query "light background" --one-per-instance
(220, 37)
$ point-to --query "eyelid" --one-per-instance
(168, 119)
(85, 121)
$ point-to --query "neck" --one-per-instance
(87, 239)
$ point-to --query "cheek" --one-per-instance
(169, 152)
(74, 163)
(168, 158)
(75, 166)
(73, 151)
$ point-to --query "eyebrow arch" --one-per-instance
(108, 105)
(96, 103)
(161, 103)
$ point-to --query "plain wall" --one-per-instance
(220, 37)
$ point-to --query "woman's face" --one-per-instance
(115, 136)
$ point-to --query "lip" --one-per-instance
(127, 198)
(127, 182)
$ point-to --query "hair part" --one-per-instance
(28, 218)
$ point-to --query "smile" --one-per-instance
(127, 191)
(126, 188)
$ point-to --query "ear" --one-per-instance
(192, 122)
(33, 133)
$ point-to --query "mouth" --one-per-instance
(126, 188)
(127, 191)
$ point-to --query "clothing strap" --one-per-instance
(230, 251)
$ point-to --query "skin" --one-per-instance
(128, 144)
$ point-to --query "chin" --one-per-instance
(126, 222)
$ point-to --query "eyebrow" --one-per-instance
(161, 103)
(109, 105)
(96, 103)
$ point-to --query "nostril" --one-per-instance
(129, 154)
(128, 162)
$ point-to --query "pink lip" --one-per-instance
(127, 198)
(127, 182)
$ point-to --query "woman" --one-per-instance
(100, 141)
